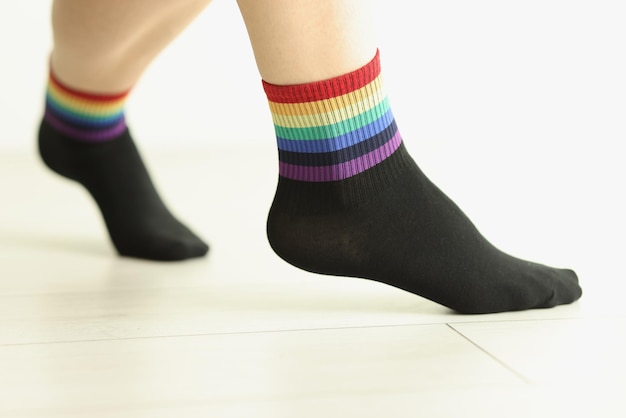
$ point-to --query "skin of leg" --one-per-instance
(300, 41)
(104, 46)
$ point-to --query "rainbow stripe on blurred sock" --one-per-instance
(333, 129)
(84, 116)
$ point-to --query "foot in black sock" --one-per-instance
(138, 222)
(352, 202)
(392, 225)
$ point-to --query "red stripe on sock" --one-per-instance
(325, 89)
(85, 95)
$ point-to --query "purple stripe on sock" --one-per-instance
(344, 170)
(86, 135)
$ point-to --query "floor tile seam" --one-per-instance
(218, 334)
(452, 325)
(492, 356)
(517, 320)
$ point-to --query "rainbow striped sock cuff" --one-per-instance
(84, 116)
(333, 129)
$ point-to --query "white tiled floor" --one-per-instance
(84, 333)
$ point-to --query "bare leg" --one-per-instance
(350, 200)
(308, 40)
(101, 48)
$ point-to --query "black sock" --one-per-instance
(351, 202)
(392, 225)
(113, 172)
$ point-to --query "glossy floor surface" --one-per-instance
(84, 333)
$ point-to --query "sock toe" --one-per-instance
(166, 249)
(571, 290)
